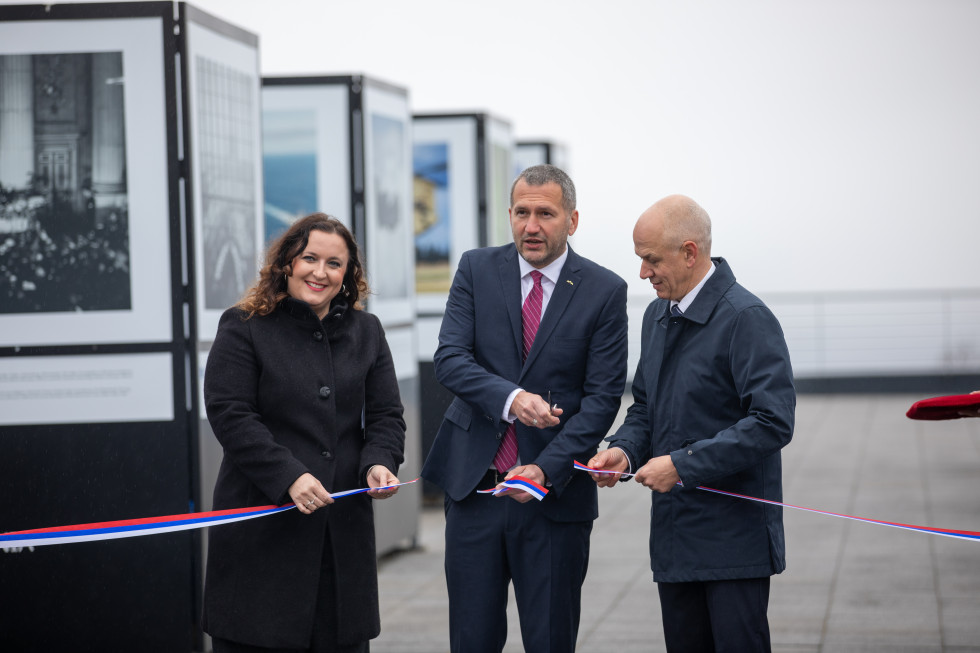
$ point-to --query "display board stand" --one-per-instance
(463, 170)
(94, 352)
(129, 203)
(531, 153)
(341, 144)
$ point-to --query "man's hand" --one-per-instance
(971, 412)
(530, 472)
(534, 411)
(658, 474)
(613, 459)
(381, 476)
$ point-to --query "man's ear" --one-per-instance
(690, 249)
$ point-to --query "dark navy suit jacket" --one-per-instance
(579, 355)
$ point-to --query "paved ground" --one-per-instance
(849, 586)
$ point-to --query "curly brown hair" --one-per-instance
(263, 297)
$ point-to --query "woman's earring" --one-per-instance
(343, 288)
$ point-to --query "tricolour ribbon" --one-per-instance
(946, 532)
(111, 530)
(585, 468)
(518, 483)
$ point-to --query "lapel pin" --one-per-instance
(569, 282)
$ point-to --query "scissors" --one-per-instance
(551, 407)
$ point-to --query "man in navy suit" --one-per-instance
(546, 396)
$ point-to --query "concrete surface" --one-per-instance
(849, 586)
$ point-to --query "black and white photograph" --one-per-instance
(83, 160)
(64, 216)
(227, 153)
(226, 147)
(389, 177)
(390, 221)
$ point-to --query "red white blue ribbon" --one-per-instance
(518, 483)
(585, 468)
(946, 532)
(110, 530)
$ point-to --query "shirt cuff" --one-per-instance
(507, 417)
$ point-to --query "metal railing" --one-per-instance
(871, 333)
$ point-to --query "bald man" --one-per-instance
(714, 404)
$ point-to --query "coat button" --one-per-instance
(324, 392)
(318, 335)
(326, 454)
(690, 452)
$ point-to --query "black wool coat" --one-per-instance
(286, 394)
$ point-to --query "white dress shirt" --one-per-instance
(550, 274)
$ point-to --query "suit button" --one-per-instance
(327, 455)
(500, 436)
(318, 335)
(690, 452)
(324, 392)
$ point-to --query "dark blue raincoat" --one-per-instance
(714, 390)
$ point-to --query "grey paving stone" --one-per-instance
(850, 587)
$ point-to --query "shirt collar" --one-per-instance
(688, 299)
(552, 271)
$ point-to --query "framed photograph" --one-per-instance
(85, 237)
(389, 223)
(499, 151)
(431, 187)
(221, 68)
(305, 151)
(446, 186)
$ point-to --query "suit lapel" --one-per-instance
(510, 284)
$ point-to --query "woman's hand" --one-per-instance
(308, 495)
(381, 476)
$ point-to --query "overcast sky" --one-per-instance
(835, 143)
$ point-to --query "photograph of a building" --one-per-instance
(64, 206)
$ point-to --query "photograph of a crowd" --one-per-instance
(64, 209)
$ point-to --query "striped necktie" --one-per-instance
(530, 317)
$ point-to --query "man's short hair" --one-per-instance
(540, 175)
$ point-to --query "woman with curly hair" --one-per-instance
(301, 392)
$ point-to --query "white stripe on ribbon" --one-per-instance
(945, 532)
(112, 530)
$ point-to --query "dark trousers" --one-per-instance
(493, 540)
(716, 616)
